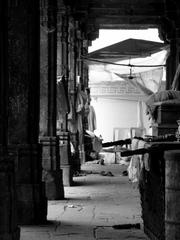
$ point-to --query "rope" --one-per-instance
(120, 64)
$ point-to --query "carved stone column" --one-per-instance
(8, 225)
(52, 174)
(80, 73)
(74, 81)
(66, 161)
(3, 71)
(84, 68)
(83, 72)
(23, 109)
(63, 99)
(170, 33)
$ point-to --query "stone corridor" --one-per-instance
(98, 206)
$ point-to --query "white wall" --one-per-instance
(115, 113)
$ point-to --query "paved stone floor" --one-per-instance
(96, 207)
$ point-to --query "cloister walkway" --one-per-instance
(102, 204)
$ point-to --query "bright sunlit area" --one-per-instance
(118, 94)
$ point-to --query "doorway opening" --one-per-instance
(120, 92)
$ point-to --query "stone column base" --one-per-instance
(76, 166)
(52, 175)
(65, 158)
(32, 208)
(67, 175)
(11, 236)
(54, 184)
(8, 211)
(31, 198)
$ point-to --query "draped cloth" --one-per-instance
(62, 99)
(72, 122)
(138, 162)
(63, 106)
(151, 79)
(147, 82)
(147, 79)
(91, 119)
(75, 115)
(80, 108)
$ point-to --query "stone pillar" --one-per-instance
(63, 101)
(85, 68)
(65, 45)
(75, 82)
(23, 108)
(8, 211)
(67, 124)
(83, 72)
(3, 71)
(172, 194)
(171, 63)
(32, 203)
(52, 174)
(66, 161)
(169, 33)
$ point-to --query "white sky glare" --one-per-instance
(109, 37)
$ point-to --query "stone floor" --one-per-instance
(96, 207)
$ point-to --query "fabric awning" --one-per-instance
(127, 49)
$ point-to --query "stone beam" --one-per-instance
(121, 14)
